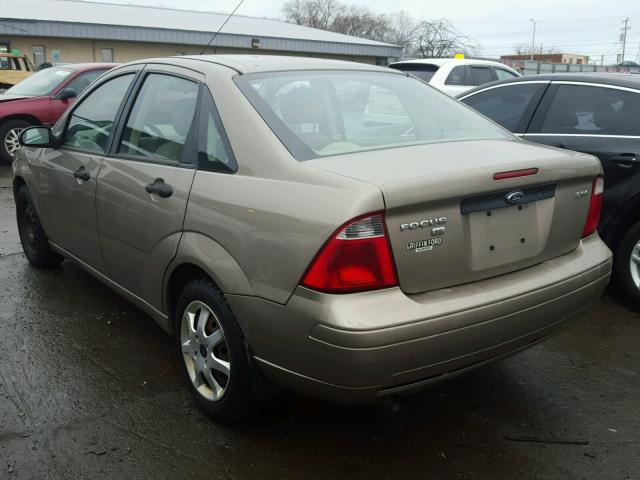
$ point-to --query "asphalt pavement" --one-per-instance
(90, 388)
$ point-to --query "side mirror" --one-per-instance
(39, 137)
(66, 93)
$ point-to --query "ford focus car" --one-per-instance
(286, 231)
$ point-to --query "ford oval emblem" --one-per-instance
(514, 197)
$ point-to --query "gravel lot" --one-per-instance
(90, 388)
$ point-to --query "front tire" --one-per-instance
(9, 138)
(213, 353)
(35, 243)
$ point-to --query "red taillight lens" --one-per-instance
(356, 258)
(595, 207)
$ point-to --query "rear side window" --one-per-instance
(90, 123)
(422, 71)
(458, 76)
(214, 150)
(160, 119)
(318, 114)
(508, 105)
(578, 109)
(481, 75)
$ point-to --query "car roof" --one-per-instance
(442, 61)
(628, 80)
(86, 66)
(245, 64)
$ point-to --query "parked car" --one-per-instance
(14, 69)
(455, 75)
(249, 207)
(41, 99)
(592, 113)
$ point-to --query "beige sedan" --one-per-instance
(339, 229)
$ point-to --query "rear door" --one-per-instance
(144, 184)
(597, 119)
(510, 105)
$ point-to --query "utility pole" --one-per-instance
(623, 36)
(533, 39)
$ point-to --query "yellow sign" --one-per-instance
(459, 56)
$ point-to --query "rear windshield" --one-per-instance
(423, 71)
(318, 114)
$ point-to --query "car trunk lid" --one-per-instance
(450, 222)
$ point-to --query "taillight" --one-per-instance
(595, 207)
(356, 258)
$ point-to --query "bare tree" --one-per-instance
(401, 30)
(313, 13)
(361, 22)
(439, 38)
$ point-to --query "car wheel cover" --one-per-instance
(205, 351)
(28, 227)
(634, 264)
(12, 141)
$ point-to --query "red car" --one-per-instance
(40, 100)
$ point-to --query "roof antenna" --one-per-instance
(221, 27)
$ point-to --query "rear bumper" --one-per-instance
(354, 348)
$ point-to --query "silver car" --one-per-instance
(339, 229)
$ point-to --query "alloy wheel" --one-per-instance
(12, 141)
(634, 264)
(205, 351)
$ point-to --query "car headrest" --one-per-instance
(301, 105)
(182, 112)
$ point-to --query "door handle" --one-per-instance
(159, 188)
(625, 159)
(82, 174)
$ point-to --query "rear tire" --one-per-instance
(9, 133)
(35, 243)
(214, 354)
(627, 264)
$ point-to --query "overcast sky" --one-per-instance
(590, 27)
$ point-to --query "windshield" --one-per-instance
(41, 83)
(317, 114)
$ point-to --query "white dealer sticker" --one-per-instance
(424, 245)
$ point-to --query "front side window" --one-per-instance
(502, 74)
(317, 114)
(160, 119)
(507, 105)
(82, 81)
(91, 121)
(579, 109)
(41, 83)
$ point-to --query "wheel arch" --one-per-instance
(199, 256)
(21, 116)
(626, 217)
(18, 183)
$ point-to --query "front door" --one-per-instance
(599, 120)
(144, 184)
(68, 176)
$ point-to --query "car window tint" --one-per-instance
(160, 119)
(502, 74)
(481, 75)
(506, 105)
(214, 149)
(458, 76)
(423, 71)
(591, 110)
(91, 122)
(318, 114)
(82, 81)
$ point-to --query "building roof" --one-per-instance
(115, 21)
